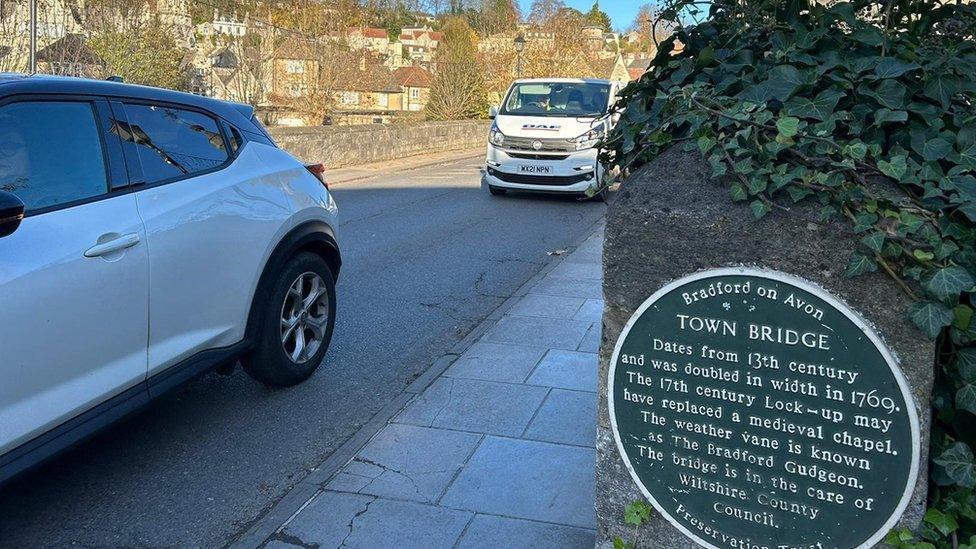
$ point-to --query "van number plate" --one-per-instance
(535, 169)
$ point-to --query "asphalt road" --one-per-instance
(427, 254)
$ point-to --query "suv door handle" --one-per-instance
(116, 245)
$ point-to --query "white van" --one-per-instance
(545, 134)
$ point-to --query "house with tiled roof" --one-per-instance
(416, 83)
(70, 56)
(610, 69)
(371, 95)
(420, 43)
(638, 67)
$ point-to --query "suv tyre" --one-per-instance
(296, 326)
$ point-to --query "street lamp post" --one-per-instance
(32, 57)
(519, 48)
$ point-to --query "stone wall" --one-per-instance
(339, 146)
(671, 220)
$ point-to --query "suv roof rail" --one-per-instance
(115, 78)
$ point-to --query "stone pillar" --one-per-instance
(670, 221)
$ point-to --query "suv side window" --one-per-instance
(172, 142)
(51, 153)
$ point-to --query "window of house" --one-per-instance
(349, 98)
(414, 93)
(293, 66)
(296, 89)
(51, 153)
(384, 100)
(173, 142)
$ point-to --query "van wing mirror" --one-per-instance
(493, 112)
(11, 213)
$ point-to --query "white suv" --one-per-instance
(147, 236)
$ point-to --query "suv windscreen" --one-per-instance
(558, 99)
(51, 153)
(172, 142)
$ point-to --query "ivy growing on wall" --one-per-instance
(868, 109)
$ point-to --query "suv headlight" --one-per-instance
(496, 137)
(589, 139)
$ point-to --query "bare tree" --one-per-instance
(542, 12)
(247, 85)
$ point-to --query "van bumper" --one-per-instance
(571, 173)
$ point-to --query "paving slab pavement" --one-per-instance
(497, 450)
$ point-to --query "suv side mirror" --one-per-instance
(11, 213)
(492, 112)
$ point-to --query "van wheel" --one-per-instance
(297, 323)
(496, 191)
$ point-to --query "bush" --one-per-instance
(867, 108)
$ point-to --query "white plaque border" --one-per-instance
(816, 290)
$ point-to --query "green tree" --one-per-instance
(458, 91)
(598, 17)
(145, 55)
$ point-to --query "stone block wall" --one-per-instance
(339, 146)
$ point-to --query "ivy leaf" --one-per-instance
(889, 93)
(966, 363)
(783, 81)
(936, 149)
(892, 67)
(967, 157)
(885, 116)
(949, 282)
(957, 460)
(857, 151)
(931, 317)
(941, 88)
(759, 208)
(705, 144)
(942, 522)
(868, 35)
(637, 512)
(864, 221)
(757, 185)
(819, 108)
(860, 264)
(874, 241)
(738, 192)
(895, 168)
(966, 397)
(963, 317)
(788, 126)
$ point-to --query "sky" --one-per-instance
(621, 12)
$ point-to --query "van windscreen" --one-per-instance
(558, 99)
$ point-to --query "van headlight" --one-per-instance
(496, 137)
(589, 139)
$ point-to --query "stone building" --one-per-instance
(416, 83)
(371, 96)
(70, 56)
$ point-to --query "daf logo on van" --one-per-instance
(542, 127)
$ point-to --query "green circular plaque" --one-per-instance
(755, 410)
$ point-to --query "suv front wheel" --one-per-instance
(298, 319)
